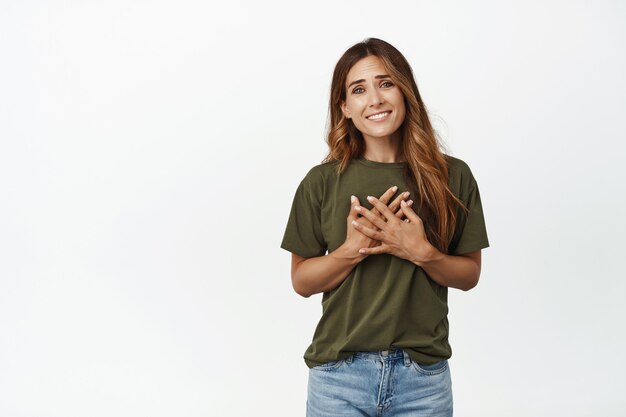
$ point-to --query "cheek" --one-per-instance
(401, 114)
(360, 125)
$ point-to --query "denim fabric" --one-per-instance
(376, 384)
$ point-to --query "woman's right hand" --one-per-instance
(356, 240)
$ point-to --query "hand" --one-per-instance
(405, 240)
(355, 240)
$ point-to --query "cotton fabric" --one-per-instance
(386, 302)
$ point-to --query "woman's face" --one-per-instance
(370, 91)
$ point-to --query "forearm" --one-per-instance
(323, 273)
(451, 271)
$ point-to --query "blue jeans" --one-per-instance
(376, 384)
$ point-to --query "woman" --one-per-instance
(381, 346)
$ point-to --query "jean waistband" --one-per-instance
(391, 354)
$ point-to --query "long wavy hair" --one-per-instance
(427, 166)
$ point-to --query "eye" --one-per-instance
(383, 84)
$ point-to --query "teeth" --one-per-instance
(378, 116)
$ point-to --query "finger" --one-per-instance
(382, 208)
(400, 213)
(409, 213)
(376, 220)
(367, 231)
(395, 206)
(382, 248)
(386, 197)
(352, 215)
(355, 214)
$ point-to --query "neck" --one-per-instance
(383, 149)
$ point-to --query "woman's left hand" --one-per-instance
(404, 239)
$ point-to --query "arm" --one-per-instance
(408, 241)
(323, 273)
(461, 271)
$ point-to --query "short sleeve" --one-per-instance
(470, 232)
(303, 234)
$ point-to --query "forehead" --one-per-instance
(366, 67)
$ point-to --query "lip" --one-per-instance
(379, 120)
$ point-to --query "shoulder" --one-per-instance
(460, 175)
(321, 173)
(457, 165)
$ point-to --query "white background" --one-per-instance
(150, 150)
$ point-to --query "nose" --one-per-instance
(375, 98)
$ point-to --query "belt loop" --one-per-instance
(407, 358)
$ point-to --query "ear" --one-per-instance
(345, 110)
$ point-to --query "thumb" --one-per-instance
(353, 203)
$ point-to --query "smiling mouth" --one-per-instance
(378, 116)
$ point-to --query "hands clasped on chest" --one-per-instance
(382, 230)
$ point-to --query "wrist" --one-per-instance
(347, 254)
(430, 255)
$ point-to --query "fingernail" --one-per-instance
(354, 222)
(403, 203)
(407, 194)
(352, 198)
(370, 198)
(410, 202)
(357, 208)
(394, 188)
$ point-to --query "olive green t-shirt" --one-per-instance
(385, 302)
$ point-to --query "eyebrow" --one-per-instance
(378, 77)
